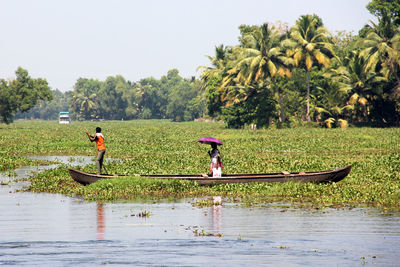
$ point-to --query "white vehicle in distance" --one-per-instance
(63, 118)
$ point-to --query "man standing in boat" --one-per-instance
(101, 147)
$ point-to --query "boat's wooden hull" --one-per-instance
(315, 176)
(88, 178)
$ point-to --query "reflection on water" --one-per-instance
(54, 230)
(43, 229)
(100, 221)
(216, 214)
(26, 171)
(69, 160)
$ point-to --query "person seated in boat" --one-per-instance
(216, 163)
(101, 147)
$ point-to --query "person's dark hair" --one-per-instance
(98, 130)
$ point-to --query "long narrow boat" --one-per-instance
(334, 175)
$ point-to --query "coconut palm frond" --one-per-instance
(329, 122)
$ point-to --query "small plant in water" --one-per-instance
(11, 173)
(71, 159)
(203, 203)
(144, 214)
(196, 232)
(214, 201)
(363, 261)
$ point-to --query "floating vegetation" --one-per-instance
(163, 147)
(201, 232)
(143, 214)
(11, 173)
(209, 202)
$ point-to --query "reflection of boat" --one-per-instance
(313, 176)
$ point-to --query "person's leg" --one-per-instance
(102, 158)
(99, 160)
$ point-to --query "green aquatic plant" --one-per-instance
(202, 232)
(163, 147)
(143, 214)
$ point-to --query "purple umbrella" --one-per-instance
(209, 141)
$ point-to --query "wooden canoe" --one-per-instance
(313, 176)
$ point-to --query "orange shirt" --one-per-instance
(100, 142)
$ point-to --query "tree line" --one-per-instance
(288, 76)
(170, 97)
(276, 74)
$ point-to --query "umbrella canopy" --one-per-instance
(209, 140)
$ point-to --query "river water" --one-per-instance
(54, 230)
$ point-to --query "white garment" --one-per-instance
(217, 172)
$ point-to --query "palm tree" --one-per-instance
(259, 60)
(84, 106)
(356, 82)
(308, 45)
(381, 49)
(332, 104)
(218, 65)
(212, 76)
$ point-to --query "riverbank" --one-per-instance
(151, 147)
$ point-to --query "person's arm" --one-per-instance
(219, 160)
(91, 138)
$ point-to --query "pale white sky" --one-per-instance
(64, 40)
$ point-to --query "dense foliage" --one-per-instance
(171, 97)
(276, 75)
(310, 74)
(21, 94)
(47, 110)
(160, 146)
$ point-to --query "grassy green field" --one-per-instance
(150, 147)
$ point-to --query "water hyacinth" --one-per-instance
(163, 147)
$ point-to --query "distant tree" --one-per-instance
(196, 107)
(211, 78)
(381, 8)
(87, 86)
(48, 110)
(259, 108)
(84, 101)
(130, 97)
(112, 105)
(309, 45)
(381, 52)
(262, 59)
(178, 101)
(185, 101)
(21, 94)
(84, 107)
(151, 99)
(358, 84)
